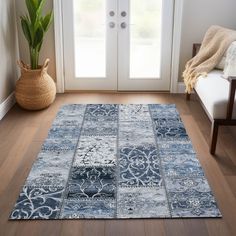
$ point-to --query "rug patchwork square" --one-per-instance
(116, 161)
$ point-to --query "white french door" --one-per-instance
(117, 44)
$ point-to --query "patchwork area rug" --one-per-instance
(116, 161)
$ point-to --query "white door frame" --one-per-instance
(60, 69)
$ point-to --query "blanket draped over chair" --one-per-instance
(216, 41)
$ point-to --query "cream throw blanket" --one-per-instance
(214, 45)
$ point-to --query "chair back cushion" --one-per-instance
(230, 61)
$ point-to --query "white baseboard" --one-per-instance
(181, 87)
(7, 105)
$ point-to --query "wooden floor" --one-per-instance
(22, 134)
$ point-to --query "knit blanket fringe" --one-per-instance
(216, 41)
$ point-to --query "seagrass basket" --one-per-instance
(35, 90)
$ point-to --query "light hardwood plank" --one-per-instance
(175, 227)
(72, 227)
(115, 228)
(95, 228)
(154, 227)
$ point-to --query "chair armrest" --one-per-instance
(196, 48)
(232, 89)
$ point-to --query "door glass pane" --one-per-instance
(145, 38)
(90, 38)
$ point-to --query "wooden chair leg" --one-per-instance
(188, 96)
(214, 135)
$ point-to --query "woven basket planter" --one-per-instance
(35, 90)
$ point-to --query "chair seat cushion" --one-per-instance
(213, 91)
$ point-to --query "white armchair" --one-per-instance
(217, 96)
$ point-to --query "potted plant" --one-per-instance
(35, 89)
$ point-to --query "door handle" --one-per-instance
(111, 13)
(123, 13)
(123, 25)
(112, 25)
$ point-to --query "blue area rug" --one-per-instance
(116, 161)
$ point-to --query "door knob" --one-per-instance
(123, 13)
(112, 25)
(111, 13)
(123, 25)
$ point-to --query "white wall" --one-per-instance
(198, 16)
(48, 48)
(8, 49)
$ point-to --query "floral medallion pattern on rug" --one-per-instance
(109, 161)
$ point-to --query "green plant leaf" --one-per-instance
(31, 7)
(41, 4)
(26, 29)
(36, 2)
(34, 26)
(39, 46)
(46, 21)
(30, 26)
(38, 36)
